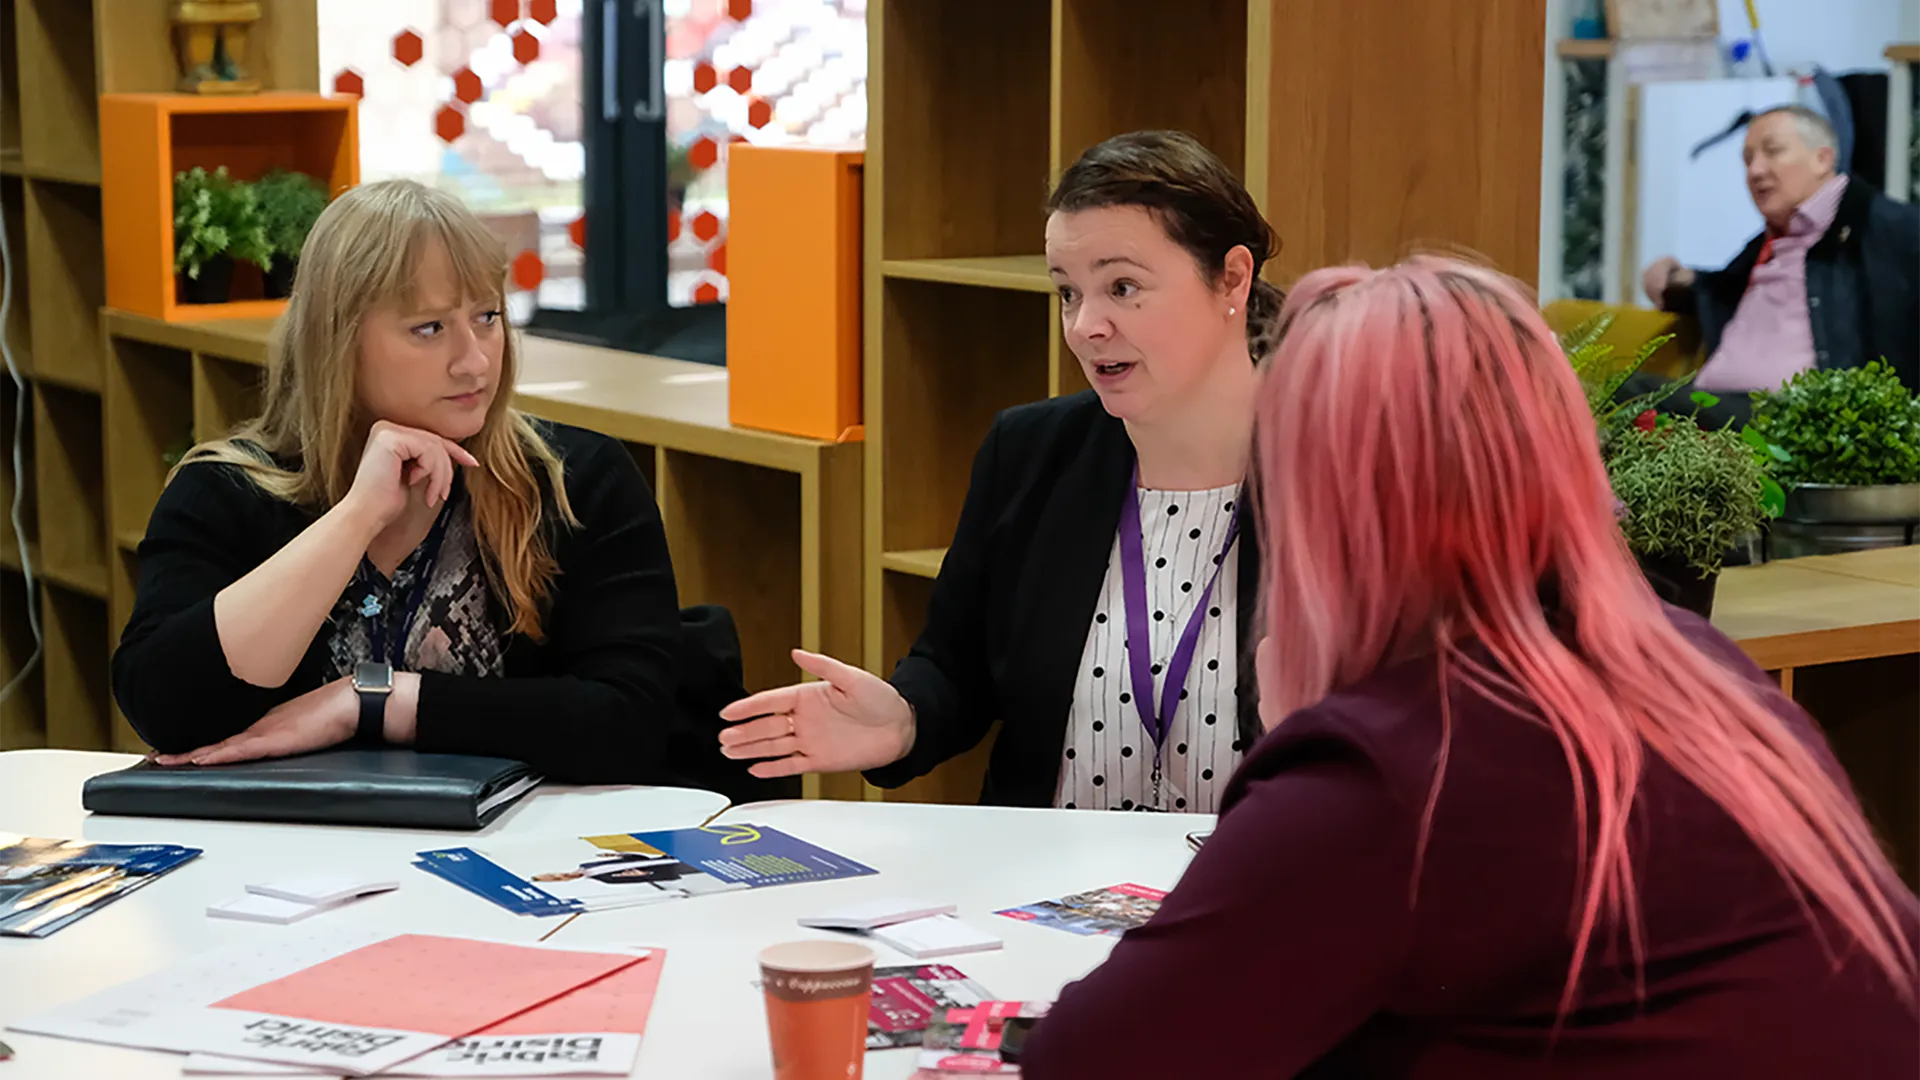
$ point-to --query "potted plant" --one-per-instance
(1853, 435)
(1687, 495)
(290, 202)
(215, 221)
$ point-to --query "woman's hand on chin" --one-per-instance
(315, 720)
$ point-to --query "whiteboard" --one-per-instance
(1696, 209)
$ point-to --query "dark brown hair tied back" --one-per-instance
(1197, 199)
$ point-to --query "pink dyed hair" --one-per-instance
(1427, 460)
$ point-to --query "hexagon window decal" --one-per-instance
(526, 47)
(350, 82)
(449, 124)
(705, 226)
(408, 48)
(504, 12)
(466, 86)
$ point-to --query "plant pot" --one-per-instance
(1679, 584)
(279, 280)
(213, 286)
(1839, 504)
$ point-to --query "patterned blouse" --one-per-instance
(458, 629)
(1109, 756)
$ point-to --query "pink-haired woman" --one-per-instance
(1512, 817)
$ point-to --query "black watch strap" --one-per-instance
(373, 717)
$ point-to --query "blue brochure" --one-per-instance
(49, 884)
(601, 873)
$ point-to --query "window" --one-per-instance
(509, 104)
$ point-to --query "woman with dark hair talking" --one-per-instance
(1513, 817)
(1095, 597)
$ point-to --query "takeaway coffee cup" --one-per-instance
(818, 994)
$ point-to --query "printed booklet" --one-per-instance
(1106, 912)
(905, 999)
(600, 873)
(48, 884)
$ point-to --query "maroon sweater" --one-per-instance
(1291, 946)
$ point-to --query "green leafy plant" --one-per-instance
(1849, 426)
(1685, 492)
(215, 215)
(1690, 493)
(289, 202)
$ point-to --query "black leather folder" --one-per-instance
(394, 788)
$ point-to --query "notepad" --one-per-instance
(869, 914)
(323, 888)
(938, 935)
(267, 909)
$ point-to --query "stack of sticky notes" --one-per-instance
(288, 900)
(916, 928)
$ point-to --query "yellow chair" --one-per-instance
(1633, 327)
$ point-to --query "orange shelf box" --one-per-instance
(145, 139)
(793, 290)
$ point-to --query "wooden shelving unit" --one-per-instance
(83, 483)
(1357, 126)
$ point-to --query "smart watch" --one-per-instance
(372, 682)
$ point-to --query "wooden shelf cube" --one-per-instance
(9, 79)
(147, 138)
(13, 218)
(76, 669)
(23, 716)
(65, 248)
(67, 451)
(58, 88)
(149, 408)
(227, 393)
(10, 414)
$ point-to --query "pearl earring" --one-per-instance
(1233, 311)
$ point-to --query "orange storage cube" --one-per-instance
(793, 280)
(147, 138)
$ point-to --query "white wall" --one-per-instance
(1840, 35)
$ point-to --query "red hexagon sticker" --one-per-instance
(717, 259)
(466, 86)
(408, 48)
(673, 226)
(528, 272)
(703, 153)
(704, 77)
(504, 11)
(706, 293)
(705, 226)
(577, 232)
(739, 9)
(741, 79)
(760, 113)
(526, 47)
(543, 11)
(449, 124)
(350, 82)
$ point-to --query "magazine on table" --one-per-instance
(905, 999)
(601, 873)
(48, 884)
(1108, 912)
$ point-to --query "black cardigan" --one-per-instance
(1009, 615)
(593, 703)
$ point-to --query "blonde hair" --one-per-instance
(361, 255)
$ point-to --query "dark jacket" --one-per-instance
(1863, 287)
(1008, 619)
(1313, 936)
(593, 703)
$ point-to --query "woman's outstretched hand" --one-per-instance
(851, 720)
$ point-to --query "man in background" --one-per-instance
(1833, 281)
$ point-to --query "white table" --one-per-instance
(708, 1021)
(167, 920)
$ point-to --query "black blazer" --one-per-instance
(1009, 616)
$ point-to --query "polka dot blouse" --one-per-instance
(1109, 756)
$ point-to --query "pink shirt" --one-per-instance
(1770, 337)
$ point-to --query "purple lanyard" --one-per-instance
(1133, 575)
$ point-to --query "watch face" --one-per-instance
(375, 677)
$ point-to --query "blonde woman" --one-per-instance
(391, 554)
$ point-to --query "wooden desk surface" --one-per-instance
(674, 404)
(1823, 610)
